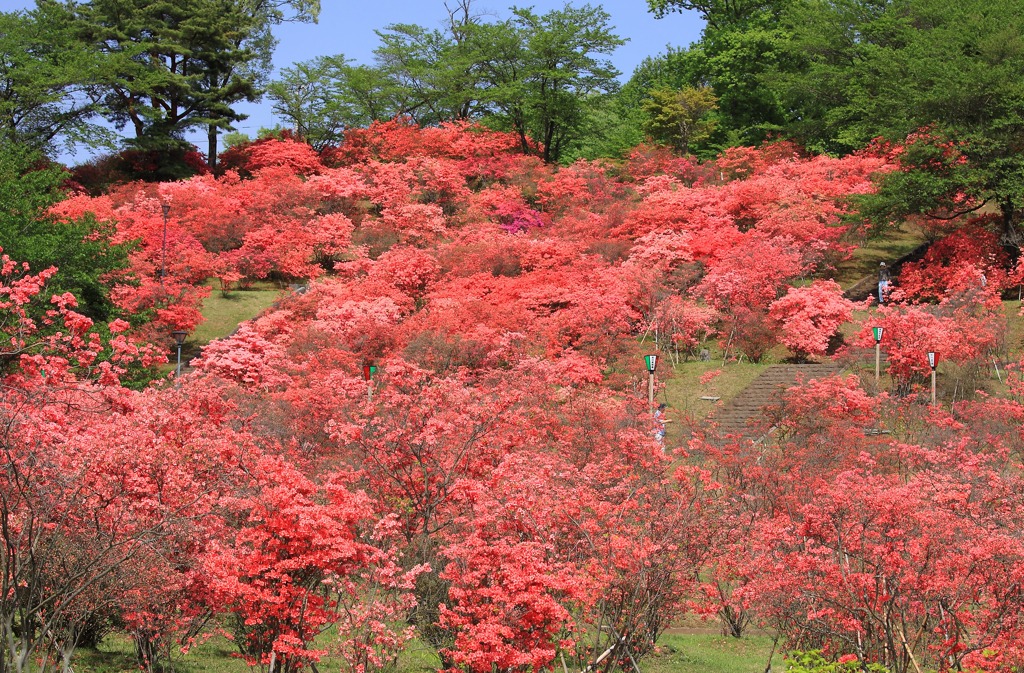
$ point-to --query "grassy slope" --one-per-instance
(677, 653)
(686, 653)
(223, 313)
(865, 259)
(1015, 332)
(683, 390)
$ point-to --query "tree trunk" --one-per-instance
(549, 135)
(211, 151)
(1011, 221)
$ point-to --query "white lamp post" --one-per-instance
(933, 361)
(878, 352)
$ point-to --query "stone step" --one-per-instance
(740, 416)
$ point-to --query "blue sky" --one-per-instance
(347, 27)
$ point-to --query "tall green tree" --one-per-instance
(426, 75)
(165, 61)
(619, 124)
(259, 40)
(172, 66)
(563, 68)
(719, 14)
(680, 117)
(737, 61)
(421, 66)
(534, 75)
(539, 76)
(889, 68)
(323, 97)
(742, 42)
(48, 94)
(674, 69)
(438, 75)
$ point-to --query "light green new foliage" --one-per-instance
(611, 129)
(680, 117)
(322, 97)
(530, 74)
(812, 661)
(562, 68)
(430, 72)
(741, 44)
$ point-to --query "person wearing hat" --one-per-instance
(883, 282)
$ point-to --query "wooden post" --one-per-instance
(933, 386)
(878, 362)
(650, 392)
(652, 364)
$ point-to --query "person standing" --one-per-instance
(659, 424)
(883, 282)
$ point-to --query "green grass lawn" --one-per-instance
(223, 313)
(700, 653)
(683, 390)
(676, 653)
(116, 654)
(690, 401)
(1015, 327)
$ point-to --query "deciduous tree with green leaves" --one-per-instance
(563, 69)
(48, 98)
(534, 75)
(949, 74)
(741, 43)
(680, 117)
(322, 97)
(81, 250)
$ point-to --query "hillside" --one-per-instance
(443, 443)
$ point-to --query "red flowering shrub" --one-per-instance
(811, 316)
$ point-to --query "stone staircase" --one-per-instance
(736, 417)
